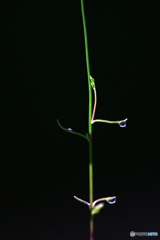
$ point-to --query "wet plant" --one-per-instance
(97, 205)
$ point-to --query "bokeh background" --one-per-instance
(43, 79)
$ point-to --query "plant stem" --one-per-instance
(89, 124)
(91, 187)
(88, 69)
(95, 102)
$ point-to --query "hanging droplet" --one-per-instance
(122, 124)
(70, 129)
(112, 201)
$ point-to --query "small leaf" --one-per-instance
(97, 208)
(71, 131)
(92, 82)
(80, 200)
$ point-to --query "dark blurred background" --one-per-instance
(44, 78)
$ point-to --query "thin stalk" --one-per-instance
(88, 69)
(95, 102)
(89, 124)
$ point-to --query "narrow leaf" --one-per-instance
(71, 131)
(80, 200)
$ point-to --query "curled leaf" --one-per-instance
(110, 200)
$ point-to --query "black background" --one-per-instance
(43, 79)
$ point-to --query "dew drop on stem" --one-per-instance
(70, 129)
(112, 201)
(122, 124)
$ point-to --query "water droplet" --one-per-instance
(122, 124)
(70, 129)
(112, 201)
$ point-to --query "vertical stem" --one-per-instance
(91, 188)
(91, 228)
(89, 124)
(88, 70)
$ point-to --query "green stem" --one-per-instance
(88, 69)
(89, 124)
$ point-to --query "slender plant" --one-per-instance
(94, 206)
